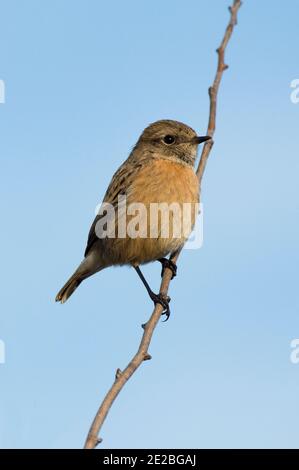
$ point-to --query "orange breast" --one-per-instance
(158, 182)
(164, 181)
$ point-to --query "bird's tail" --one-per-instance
(70, 286)
(89, 266)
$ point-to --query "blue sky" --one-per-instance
(82, 81)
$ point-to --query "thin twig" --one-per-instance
(213, 90)
(121, 377)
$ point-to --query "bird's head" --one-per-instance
(171, 139)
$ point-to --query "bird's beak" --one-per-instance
(200, 140)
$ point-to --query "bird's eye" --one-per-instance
(169, 139)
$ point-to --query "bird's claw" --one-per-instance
(167, 263)
(164, 301)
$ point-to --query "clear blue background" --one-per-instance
(83, 78)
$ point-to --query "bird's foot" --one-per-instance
(167, 263)
(162, 300)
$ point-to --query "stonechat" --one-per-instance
(127, 231)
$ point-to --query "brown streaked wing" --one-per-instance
(119, 184)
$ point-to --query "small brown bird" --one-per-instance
(159, 170)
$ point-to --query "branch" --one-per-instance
(213, 90)
(121, 377)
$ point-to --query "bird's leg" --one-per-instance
(167, 263)
(156, 298)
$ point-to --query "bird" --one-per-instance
(159, 170)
